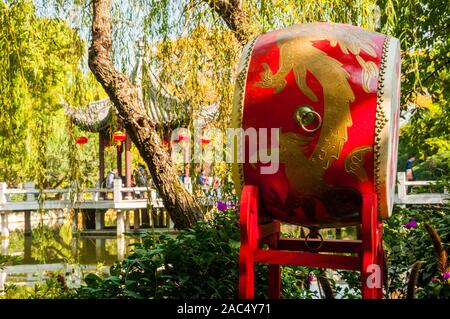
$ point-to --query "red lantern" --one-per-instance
(119, 137)
(81, 140)
(205, 141)
(182, 136)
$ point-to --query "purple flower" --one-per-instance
(446, 275)
(433, 279)
(221, 206)
(411, 224)
(309, 278)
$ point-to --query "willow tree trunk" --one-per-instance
(181, 206)
(234, 16)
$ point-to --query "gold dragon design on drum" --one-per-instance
(305, 173)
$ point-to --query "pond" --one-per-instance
(53, 248)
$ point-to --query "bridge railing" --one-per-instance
(404, 197)
(18, 199)
(120, 197)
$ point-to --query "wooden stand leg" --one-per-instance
(274, 272)
(370, 261)
(371, 271)
(249, 228)
(380, 257)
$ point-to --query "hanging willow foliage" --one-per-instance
(197, 53)
(39, 60)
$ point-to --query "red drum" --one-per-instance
(333, 91)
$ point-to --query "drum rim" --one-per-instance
(238, 109)
(384, 122)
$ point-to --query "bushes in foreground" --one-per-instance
(416, 241)
(201, 262)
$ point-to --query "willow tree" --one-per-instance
(39, 59)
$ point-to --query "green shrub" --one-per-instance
(406, 245)
(52, 288)
(201, 262)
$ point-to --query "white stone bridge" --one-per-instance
(123, 199)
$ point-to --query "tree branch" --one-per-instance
(181, 206)
(413, 279)
(234, 16)
(441, 253)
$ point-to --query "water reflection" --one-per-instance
(54, 248)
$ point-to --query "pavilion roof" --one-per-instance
(162, 106)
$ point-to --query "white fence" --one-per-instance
(91, 198)
(404, 198)
(129, 198)
(119, 197)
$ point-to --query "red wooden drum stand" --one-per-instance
(367, 253)
(330, 92)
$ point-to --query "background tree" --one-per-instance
(423, 29)
(39, 59)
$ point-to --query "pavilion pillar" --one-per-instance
(100, 248)
(120, 248)
(145, 218)
(119, 163)
(74, 221)
(127, 220)
(187, 160)
(29, 186)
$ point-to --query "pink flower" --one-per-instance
(309, 278)
(446, 275)
(411, 224)
(433, 279)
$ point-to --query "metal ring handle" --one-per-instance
(305, 115)
(307, 243)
